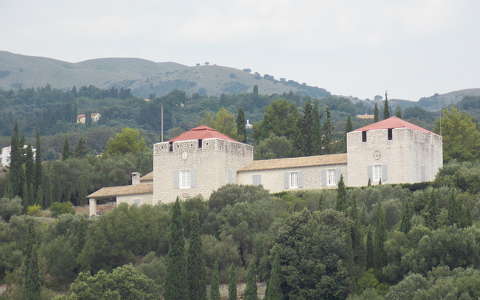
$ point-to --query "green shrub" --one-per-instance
(34, 210)
(60, 208)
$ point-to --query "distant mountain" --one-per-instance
(439, 101)
(142, 76)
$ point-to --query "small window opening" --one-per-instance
(200, 143)
(364, 136)
(170, 146)
(390, 134)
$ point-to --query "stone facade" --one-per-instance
(278, 180)
(409, 156)
(211, 164)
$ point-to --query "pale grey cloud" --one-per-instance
(412, 48)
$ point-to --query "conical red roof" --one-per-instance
(392, 122)
(200, 133)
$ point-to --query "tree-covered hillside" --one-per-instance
(142, 77)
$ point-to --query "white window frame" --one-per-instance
(377, 173)
(293, 180)
(185, 179)
(331, 177)
(259, 176)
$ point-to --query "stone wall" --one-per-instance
(410, 156)
(138, 199)
(212, 165)
(311, 177)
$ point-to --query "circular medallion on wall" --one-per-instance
(377, 155)
(184, 155)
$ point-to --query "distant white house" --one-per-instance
(6, 153)
(82, 119)
(248, 125)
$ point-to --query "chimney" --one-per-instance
(135, 178)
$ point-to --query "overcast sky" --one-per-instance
(412, 48)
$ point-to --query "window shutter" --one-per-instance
(286, 180)
(323, 177)
(193, 179)
(176, 178)
(370, 173)
(337, 175)
(257, 180)
(384, 173)
(300, 179)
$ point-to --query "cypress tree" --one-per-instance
(241, 123)
(176, 283)
(31, 275)
(66, 150)
(196, 274)
(16, 174)
(215, 285)
(29, 167)
(317, 130)
(255, 91)
(38, 167)
(81, 149)
(232, 283)
(341, 196)
(380, 237)
(386, 108)
(348, 128)
(251, 288)
(370, 254)
(327, 133)
(405, 221)
(398, 112)
(274, 290)
(305, 137)
(376, 113)
(369, 182)
(454, 210)
(432, 212)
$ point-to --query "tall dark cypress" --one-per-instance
(38, 167)
(306, 137)
(251, 288)
(232, 283)
(348, 128)
(317, 130)
(341, 196)
(405, 220)
(380, 237)
(274, 289)
(327, 132)
(241, 126)
(197, 288)
(215, 284)
(66, 149)
(81, 149)
(16, 174)
(376, 113)
(31, 284)
(29, 167)
(386, 108)
(370, 253)
(176, 284)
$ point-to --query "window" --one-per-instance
(364, 136)
(137, 202)
(184, 179)
(390, 134)
(170, 146)
(331, 177)
(377, 173)
(200, 143)
(293, 180)
(257, 179)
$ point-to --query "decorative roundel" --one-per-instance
(184, 155)
(377, 155)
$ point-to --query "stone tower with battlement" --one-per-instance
(198, 161)
(392, 151)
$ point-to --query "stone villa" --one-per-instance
(201, 160)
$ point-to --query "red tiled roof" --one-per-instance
(201, 132)
(392, 122)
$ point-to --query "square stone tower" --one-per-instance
(393, 151)
(198, 161)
